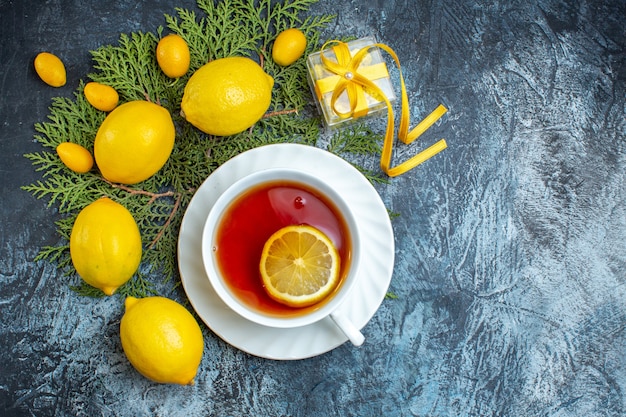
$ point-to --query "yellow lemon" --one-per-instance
(134, 142)
(105, 245)
(101, 96)
(50, 69)
(227, 96)
(172, 55)
(75, 157)
(288, 47)
(162, 340)
(299, 266)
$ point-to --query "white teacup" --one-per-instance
(329, 307)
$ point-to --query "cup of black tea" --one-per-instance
(247, 215)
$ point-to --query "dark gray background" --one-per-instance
(510, 246)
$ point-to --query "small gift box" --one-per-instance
(350, 80)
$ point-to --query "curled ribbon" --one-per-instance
(355, 84)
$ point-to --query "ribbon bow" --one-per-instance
(355, 84)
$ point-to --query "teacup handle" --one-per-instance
(349, 329)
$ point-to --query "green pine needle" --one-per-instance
(224, 28)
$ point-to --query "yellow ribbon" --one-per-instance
(355, 84)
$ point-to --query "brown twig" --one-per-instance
(147, 97)
(168, 221)
(153, 196)
(279, 113)
(262, 57)
(274, 113)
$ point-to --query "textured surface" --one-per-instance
(511, 252)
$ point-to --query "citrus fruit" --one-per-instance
(50, 69)
(75, 157)
(161, 339)
(101, 96)
(227, 96)
(105, 245)
(172, 55)
(299, 266)
(134, 141)
(288, 47)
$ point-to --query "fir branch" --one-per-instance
(358, 140)
(138, 286)
(357, 143)
(167, 222)
(53, 254)
(153, 196)
(232, 28)
(86, 290)
(70, 191)
(70, 121)
(221, 29)
(130, 69)
(372, 176)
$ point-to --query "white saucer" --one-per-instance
(376, 261)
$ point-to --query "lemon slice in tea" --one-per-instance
(299, 266)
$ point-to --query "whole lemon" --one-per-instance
(227, 96)
(134, 142)
(50, 69)
(173, 56)
(162, 340)
(105, 245)
(288, 47)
